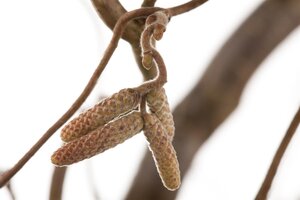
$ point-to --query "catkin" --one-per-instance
(158, 103)
(163, 152)
(103, 112)
(99, 140)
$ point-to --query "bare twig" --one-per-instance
(57, 182)
(177, 10)
(11, 191)
(265, 187)
(218, 92)
(110, 10)
(118, 30)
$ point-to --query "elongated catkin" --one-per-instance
(158, 103)
(103, 112)
(99, 140)
(163, 152)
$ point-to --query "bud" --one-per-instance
(158, 103)
(99, 140)
(103, 112)
(163, 152)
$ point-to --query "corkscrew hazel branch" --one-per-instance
(155, 26)
(118, 30)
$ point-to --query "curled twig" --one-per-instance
(155, 27)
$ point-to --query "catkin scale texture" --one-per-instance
(163, 152)
(103, 112)
(99, 140)
(158, 103)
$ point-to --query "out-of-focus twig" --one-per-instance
(10, 189)
(148, 3)
(265, 187)
(57, 182)
(218, 92)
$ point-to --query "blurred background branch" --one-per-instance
(217, 93)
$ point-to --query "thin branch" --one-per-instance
(177, 10)
(148, 3)
(110, 11)
(118, 30)
(57, 182)
(265, 187)
(217, 93)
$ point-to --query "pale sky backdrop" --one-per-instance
(48, 51)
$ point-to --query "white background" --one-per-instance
(48, 51)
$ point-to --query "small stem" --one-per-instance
(118, 30)
(143, 106)
(265, 187)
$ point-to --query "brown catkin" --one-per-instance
(158, 103)
(99, 140)
(103, 112)
(163, 152)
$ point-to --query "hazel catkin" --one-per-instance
(103, 112)
(99, 140)
(163, 152)
(158, 103)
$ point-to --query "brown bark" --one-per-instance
(218, 92)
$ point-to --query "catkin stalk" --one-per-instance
(99, 140)
(163, 152)
(103, 112)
